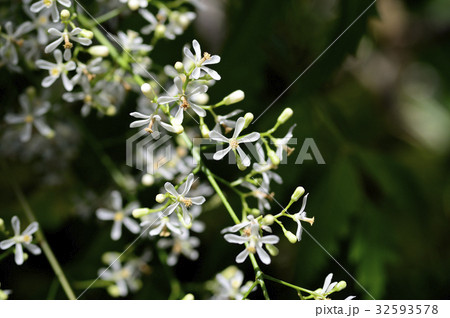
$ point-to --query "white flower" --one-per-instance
(136, 4)
(161, 225)
(56, 70)
(327, 286)
(151, 121)
(50, 5)
(181, 200)
(251, 235)
(281, 144)
(230, 285)
(157, 24)
(41, 23)
(226, 122)
(182, 244)
(91, 96)
(234, 142)
(185, 99)
(301, 216)
(264, 167)
(261, 193)
(31, 117)
(124, 277)
(120, 215)
(8, 50)
(200, 61)
(132, 42)
(20, 240)
(66, 36)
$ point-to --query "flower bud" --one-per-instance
(201, 98)
(2, 225)
(188, 297)
(3, 295)
(255, 212)
(234, 97)
(290, 236)
(160, 198)
(133, 4)
(273, 157)
(147, 180)
(86, 34)
(113, 291)
(179, 67)
(178, 128)
(147, 90)
(65, 15)
(285, 115)
(239, 163)
(111, 110)
(99, 50)
(248, 119)
(204, 130)
(340, 286)
(160, 30)
(299, 191)
(268, 219)
(138, 213)
(184, 21)
(273, 250)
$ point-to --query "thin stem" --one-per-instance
(259, 276)
(288, 284)
(42, 240)
(250, 290)
(109, 15)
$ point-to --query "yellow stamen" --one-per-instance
(48, 3)
(119, 216)
(29, 119)
(54, 72)
(186, 202)
(234, 143)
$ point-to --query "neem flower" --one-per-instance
(200, 61)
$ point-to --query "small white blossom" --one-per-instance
(261, 193)
(327, 286)
(234, 142)
(135, 4)
(301, 216)
(251, 235)
(132, 42)
(8, 50)
(226, 122)
(151, 121)
(20, 240)
(264, 167)
(120, 215)
(161, 225)
(51, 6)
(4, 294)
(56, 70)
(200, 61)
(31, 116)
(181, 200)
(281, 144)
(181, 245)
(185, 99)
(65, 37)
(230, 285)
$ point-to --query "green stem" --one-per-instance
(42, 240)
(250, 290)
(288, 284)
(109, 15)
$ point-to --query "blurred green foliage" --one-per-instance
(381, 202)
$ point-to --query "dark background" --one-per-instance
(376, 104)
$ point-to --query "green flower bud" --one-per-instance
(147, 90)
(239, 163)
(268, 219)
(99, 50)
(160, 198)
(65, 15)
(179, 67)
(204, 130)
(133, 5)
(111, 110)
(113, 291)
(147, 180)
(160, 30)
(138, 213)
(248, 119)
(255, 212)
(2, 225)
(87, 34)
(299, 191)
(340, 286)
(285, 115)
(188, 297)
(234, 97)
(290, 236)
(273, 250)
(273, 157)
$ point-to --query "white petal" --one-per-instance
(19, 254)
(4, 245)
(171, 189)
(239, 126)
(254, 136)
(34, 249)
(198, 51)
(52, 46)
(116, 200)
(15, 222)
(242, 256)
(327, 282)
(116, 231)
(132, 225)
(244, 158)
(221, 153)
(236, 239)
(198, 200)
(214, 135)
(31, 229)
(263, 256)
(105, 215)
(270, 239)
